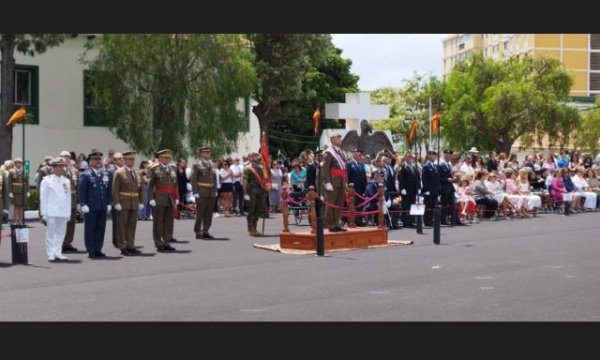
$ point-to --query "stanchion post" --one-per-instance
(380, 192)
(352, 210)
(284, 209)
(312, 195)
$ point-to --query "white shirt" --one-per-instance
(236, 169)
(466, 169)
(224, 178)
(55, 196)
(579, 183)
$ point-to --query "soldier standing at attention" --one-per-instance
(72, 175)
(94, 198)
(127, 199)
(117, 163)
(204, 187)
(255, 193)
(55, 209)
(18, 189)
(334, 182)
(164, 198)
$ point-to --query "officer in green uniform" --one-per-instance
(163, 197)
(204, 188)
(72, 174)
(255, 192)
(18, 189)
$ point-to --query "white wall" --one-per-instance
(60, 108)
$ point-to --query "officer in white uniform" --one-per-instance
(55, 209)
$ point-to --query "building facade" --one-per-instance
(54, 89)
(580, 53)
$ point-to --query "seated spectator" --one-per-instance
(484, 197)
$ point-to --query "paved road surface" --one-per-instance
(546, 268)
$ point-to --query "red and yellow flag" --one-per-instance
(315, 118)
(264, 158)
(412, 130)
(18, 115)
(434, 123)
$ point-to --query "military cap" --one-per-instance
(129, 154)
(335, 134)
(56, 162)
(448, 152)
(253, 153)
(357, 150)
(95, 152)
(18, 160)
(205, 148)
(431, 152)
(165, 152)
(48, 157)
(65, 153)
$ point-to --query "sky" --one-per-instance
(386, 59)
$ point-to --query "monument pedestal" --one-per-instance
(360, 237)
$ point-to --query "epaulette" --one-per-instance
(153, 165)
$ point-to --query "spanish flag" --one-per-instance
(264, 158)
(19, 114)
(434, 123)
(412, 130)
(315, 118)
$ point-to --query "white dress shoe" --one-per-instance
(61, 257)
(51, 258)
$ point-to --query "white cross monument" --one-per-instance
(356, 108)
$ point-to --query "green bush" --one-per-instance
(33, 203)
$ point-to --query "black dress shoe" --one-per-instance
(69, 248)
(168, 247)
(100, 254)
(161, 249)
(126, 252)
(92, 256)
(333, 230)
(207, 236)
(134, 251)
(199, 236)
(339, 228)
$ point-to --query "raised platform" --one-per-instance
(360, 237)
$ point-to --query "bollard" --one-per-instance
(19, 248)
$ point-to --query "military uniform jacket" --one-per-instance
(445, 172)
(431, 179)
(253, 185)
(203, 179)
(126, 189)
(357, 175)
(95, 189)
(334, 168)
(72, 174)
(162, 187)
(17, 182)
(55, 196)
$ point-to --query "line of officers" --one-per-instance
(119, 190)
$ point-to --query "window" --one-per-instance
(595, 41)
(26, 91)
(594, 81)
(594, 60)
(93, 115)
(245, 117)
(461, 46)
(505, 46)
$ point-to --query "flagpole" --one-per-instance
(320, 236)
(436, 210)
(430, 120)
(419, 218)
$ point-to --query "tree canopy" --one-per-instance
(490, 104)
(176, 91)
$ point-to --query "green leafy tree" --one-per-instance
(490, 104)
(282, 62)
(27, 44)
(587, 136)
(407, 103)
(329, 82)
(176, 91)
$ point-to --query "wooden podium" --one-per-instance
(354, 237)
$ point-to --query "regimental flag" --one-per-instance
(264, 159)
(18, 115)
(412, 130)
(315, 118)
(434, 123)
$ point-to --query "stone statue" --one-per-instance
(370, 144)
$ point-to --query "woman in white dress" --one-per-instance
(531, 201)
(495, 186)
